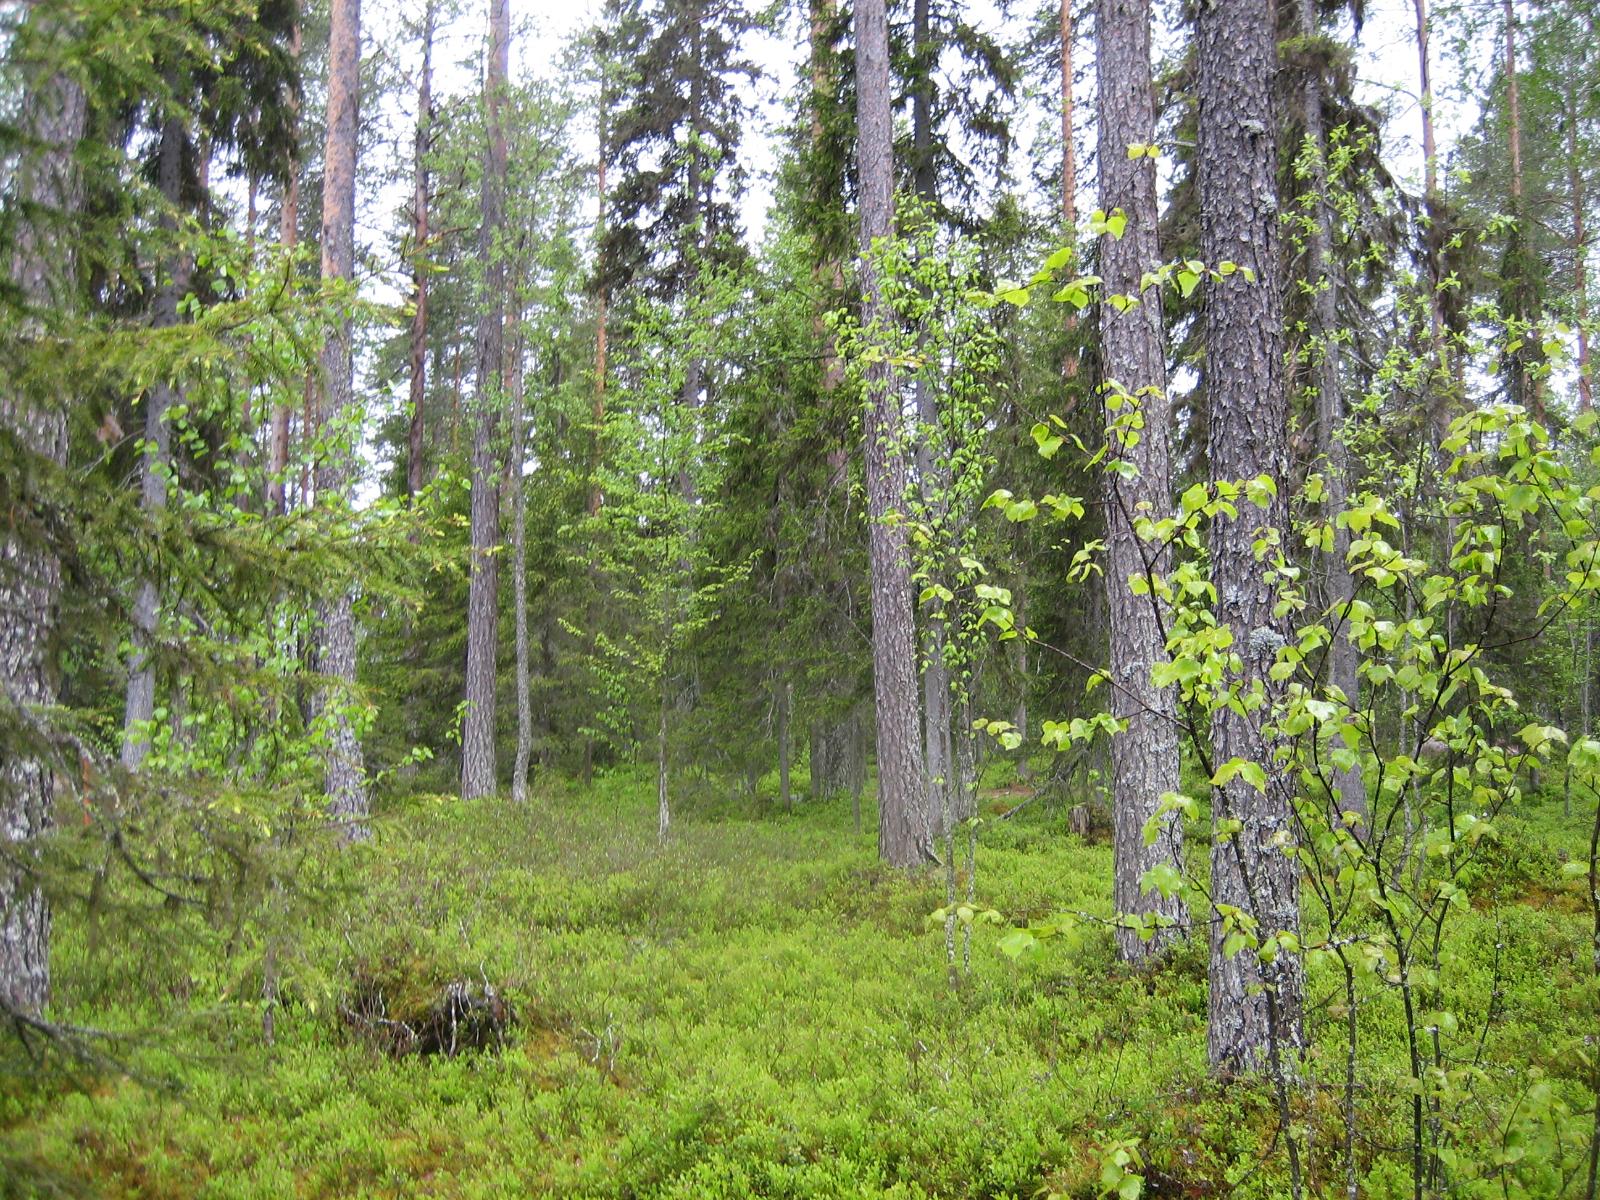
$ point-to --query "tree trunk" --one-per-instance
(1580, 254)
(1439, 417)
(1255, 1019)
(519, 570)
(783, 701)
(1144, 757)
(1069, 156)
(288, 237)
(903, 826)
(1323, 356)
(345, 775)
(477, 740)
(51, 123)
(419, 261)
(155, 468)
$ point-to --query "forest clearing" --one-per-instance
(820, 599)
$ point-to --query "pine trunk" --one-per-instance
(1255, 1017)
(478, 774)
(288, 238)
(345, 772)
(519, 571)
(1580, 254)
(1144, 757)
(1323, 355)
(51, 122)
(903, 826)
(420, 201)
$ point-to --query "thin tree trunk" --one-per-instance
(1069, 187)
(1439, 417)
(519, 571)
(478, 773)
(903, 825)
(1144, 757)
(1528, 387)
(783, 701)
(155, 467)
(1323, 355)
(1255, 1012)
(1580, 255)
(420, 201)
(288, 237)
(345, 777)
(51, 122)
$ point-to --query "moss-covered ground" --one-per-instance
(756, 1009)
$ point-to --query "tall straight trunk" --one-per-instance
(51, 122)
(345, 771)
(1441, 396)
(933, 475)
(1580, 255)
(477, 740)
(420, 201)
(1069, 154)
(519, 566)
(601, 330)
(288, 238)
(1144, 757)
(903, 825)
(1344, 658)
(1255, 1017)
(1527, 386)
(155, 467)
(783, 701)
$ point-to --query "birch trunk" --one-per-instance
(519, 571)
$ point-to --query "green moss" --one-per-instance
(757, 1009)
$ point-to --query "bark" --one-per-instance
(1440, 415)
(1324, 356)
(1144, 757)
(1255, 1017)
(477, 741)
(420, 201)
(345, 770)
(1069, 156)
(288, 237)
(1528, 387)
(783, 701)
(51, 122)
(519, 572)
(903, 825)
(1580, 254)
(155, 468)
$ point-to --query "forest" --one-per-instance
(799, 598)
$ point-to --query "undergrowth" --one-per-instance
(756, 1009)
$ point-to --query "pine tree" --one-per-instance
(1144, 757)
(1255, 1009)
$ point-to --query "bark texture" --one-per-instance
(1254, 1022)
(483, 589)
(903, 826)
(155, 468)
(420, 202)
(1325, 361)
(519, 570)
(1144, 757)
(52, 123)
(345, 773)
(288, 238)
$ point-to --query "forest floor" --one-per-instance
(756, 1009)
